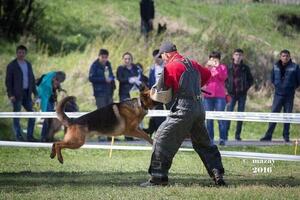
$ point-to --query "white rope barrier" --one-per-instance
(231, 154)
(234, 116)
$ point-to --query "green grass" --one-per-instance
(29, 173)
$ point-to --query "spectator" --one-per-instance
(47, 90)
(147, 15)
(128, 76)
(155, 71)
(102, 78)
(20, 84)
(285, 77)
(215, 99)
(237, 84)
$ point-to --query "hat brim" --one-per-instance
(159, 55)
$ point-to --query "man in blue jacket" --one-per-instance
(285, 77)
(102, 79)
(20, 84)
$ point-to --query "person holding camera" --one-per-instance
(215, 98)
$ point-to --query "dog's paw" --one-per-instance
(52, 155)
(61, 161)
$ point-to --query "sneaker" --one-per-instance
(286, 139)
(218, 178)
(115, 139)
(20, 138)
(222, 143)
(129, 139)
(265, 139)
(44, 140)
(32, 139)
(150, 183)
(238, 138)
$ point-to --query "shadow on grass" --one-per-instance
(130, 179)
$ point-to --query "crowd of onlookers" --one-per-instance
(227, 87)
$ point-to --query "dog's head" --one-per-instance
(146, 101)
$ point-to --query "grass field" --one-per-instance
(29, 173)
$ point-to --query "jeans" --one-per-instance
(46, 123)
(26, 102)
(102, 101)
(215, 104)
(124, 97)
(241, 100)
(279, 102)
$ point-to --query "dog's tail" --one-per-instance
(60, 111)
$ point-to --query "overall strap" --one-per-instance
(187, 64)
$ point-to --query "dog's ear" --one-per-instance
(143, 87)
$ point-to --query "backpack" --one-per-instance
(39, 80)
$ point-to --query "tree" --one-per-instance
(18, 17)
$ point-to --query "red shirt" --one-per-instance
(174, 69)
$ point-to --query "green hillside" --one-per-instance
(71, 32)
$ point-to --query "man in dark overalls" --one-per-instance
(187, 117)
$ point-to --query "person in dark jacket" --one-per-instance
(20, 85)
(102, 78)
(285, 77)
(128, 76)
(237, 84)
(103, 81)
(147, 12)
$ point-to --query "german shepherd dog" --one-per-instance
(113, 120)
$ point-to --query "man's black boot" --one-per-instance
(154, 181)
(218, 177)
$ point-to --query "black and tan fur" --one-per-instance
(113, 120)
(55, 125)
